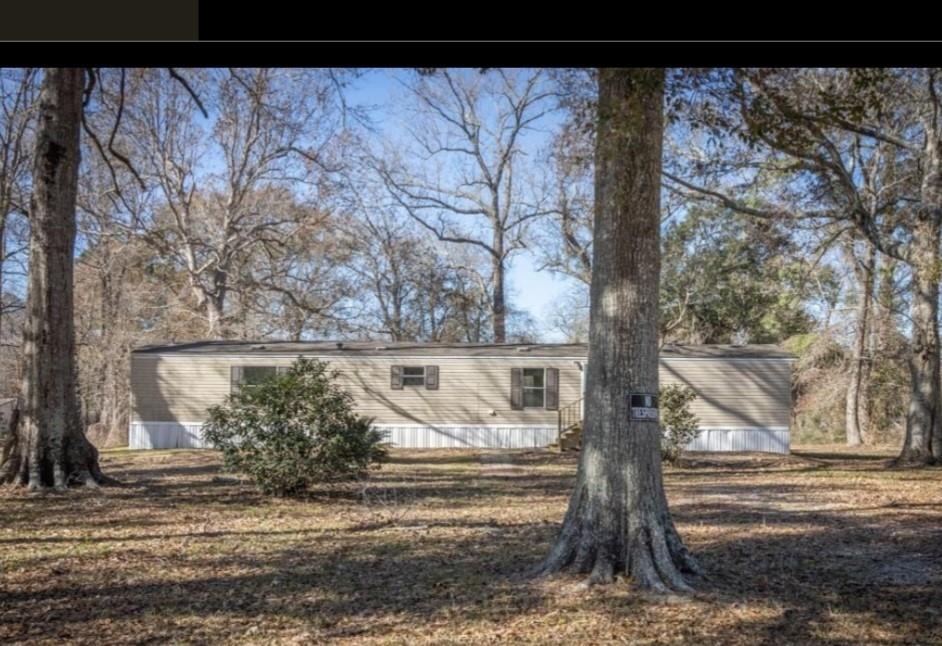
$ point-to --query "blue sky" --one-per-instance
(529, 288)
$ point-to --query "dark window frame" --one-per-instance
(406, 377)
(238, 375)
(541, 389)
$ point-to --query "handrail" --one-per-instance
(567, 417)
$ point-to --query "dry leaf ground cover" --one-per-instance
(825, 546)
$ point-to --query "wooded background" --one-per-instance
(799, 207)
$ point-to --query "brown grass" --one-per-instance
(825, 546)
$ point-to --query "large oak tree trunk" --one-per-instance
(923, 441)
(49, 447)
(618, 519)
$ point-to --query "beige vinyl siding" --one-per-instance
(181, 388)
(732, 393)
(735, 393)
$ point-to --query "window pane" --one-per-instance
(533, 377)
(413, 376)
(533, 397)
(253, 375)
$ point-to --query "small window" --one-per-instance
(255, 375)
(413, 376)
(534, 387)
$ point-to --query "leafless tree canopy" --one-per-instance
(799, 207)
(464, 175)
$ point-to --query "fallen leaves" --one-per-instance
(825, 546)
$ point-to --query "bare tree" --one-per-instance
(863, 261)
(394, 267)
(108, 297)
(48, 447)
(410, 288)
(566, 237)
(301, 286)
(471, 188)
(569, 315)
(18, 95)
(618, 519)
(244, 185)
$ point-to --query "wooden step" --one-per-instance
(569, 440)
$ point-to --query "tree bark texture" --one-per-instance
(923, 440)
(498, 303)
(49, 447)
(855, 417)
(618, 520)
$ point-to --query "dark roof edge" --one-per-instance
(380, 348)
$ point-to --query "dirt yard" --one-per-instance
(824, 546)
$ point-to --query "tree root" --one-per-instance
(653, 557)
(81, 470)
(910, 459)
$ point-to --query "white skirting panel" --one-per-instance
(459, 436)
(166, 435)
(188, 435)
(766, 440)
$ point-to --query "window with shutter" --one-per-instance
(395, 377)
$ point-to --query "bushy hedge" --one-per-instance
(294, 430)
(678, 423)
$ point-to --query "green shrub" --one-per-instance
(678, 423)
(294, 430)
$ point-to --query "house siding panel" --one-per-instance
(735, 393)
(741, 402)
(184, 387)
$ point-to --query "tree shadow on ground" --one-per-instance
(840, 456)
(435, 458)
(367, 583)
(812, 568)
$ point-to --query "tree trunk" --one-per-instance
(213, 318)
(3, 253)
(923, 441)
(211, 304)
(498, 303)
(855, 404)
(115, 376)
(923, 415)
(217, 303)
(618, 519)
(49, 447)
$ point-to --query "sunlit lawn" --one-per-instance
(825, 546)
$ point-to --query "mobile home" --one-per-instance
(432, 395)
